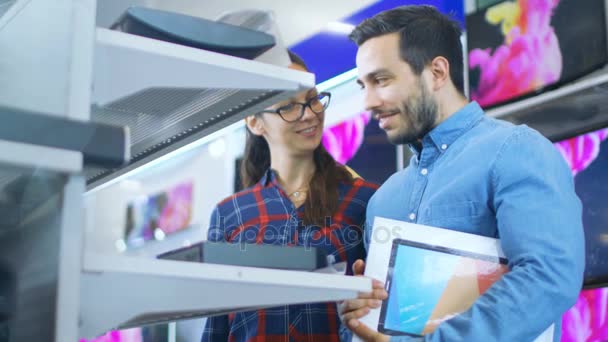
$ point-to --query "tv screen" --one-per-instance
(359, 143)
(587, 156)
(587, 320)
(158, 215)
(520, 48)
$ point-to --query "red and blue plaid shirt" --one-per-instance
(264, 214)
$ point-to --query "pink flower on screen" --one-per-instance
(528, 59)
(127, 335)
(587, 320)
(343, 140)
(581, 151)
(176, 214)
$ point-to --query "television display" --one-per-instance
(587, 320)
(149, 333)
(587, 156)
(520, 48)
(158, 215)
(359, 143)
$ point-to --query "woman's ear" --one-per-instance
(255, 125)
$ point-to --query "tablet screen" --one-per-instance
(430, 284)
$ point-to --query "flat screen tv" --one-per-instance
(587, 320)
(587, 156)
(158, 215)
(521, 48)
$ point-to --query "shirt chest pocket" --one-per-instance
(464, 216)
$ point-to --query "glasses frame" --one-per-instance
(303, 107)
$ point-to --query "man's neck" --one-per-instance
(449, 105)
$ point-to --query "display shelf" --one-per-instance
(171, 95)
(121, 292)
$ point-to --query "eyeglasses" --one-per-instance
(294, 111)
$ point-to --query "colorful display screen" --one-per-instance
(587, 320)
(587, 156)
(155, 216)
(521, 47)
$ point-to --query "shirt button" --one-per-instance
(444, 147)
(424, 172)
(412, 216)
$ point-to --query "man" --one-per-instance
(469, 173)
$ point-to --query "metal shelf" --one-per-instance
(121, 292)
(171, 95)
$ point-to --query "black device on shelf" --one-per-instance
(194, 32)
(295, 258)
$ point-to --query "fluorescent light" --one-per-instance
(120, 245)
(340, 27)
(217, 148)
(159, 234)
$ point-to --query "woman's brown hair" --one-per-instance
(322, 197)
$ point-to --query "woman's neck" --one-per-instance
(293, 173)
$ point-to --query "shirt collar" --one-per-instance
(269, 177)
(452, 128)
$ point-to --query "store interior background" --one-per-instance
(196, 177)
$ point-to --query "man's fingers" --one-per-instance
(359, 267)
(355, 314)
(364, 331)
(356, 304)
(379, 294)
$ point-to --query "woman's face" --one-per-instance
(296, 138)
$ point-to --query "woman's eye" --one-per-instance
(287, 107)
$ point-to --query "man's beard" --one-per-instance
(420, 113)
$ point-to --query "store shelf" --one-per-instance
(121, 292)
(171, 95)
(576, 107)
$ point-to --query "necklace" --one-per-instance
(298, 193)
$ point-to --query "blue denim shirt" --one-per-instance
(484, 176)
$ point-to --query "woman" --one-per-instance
(296, 195)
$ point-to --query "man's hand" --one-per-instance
(365, 333)
(351, 310)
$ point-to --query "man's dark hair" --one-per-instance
(424, 33)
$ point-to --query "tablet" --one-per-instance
(430, 284)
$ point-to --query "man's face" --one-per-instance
(397, 98)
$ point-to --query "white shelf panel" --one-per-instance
(126, 64)
(120, 291)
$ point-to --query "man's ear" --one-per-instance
(440, 70)
(255, 125)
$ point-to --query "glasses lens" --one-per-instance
(320, 103)
(291, 112)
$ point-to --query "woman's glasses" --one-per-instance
(294, 111)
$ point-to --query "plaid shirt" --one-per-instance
(264, 214)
